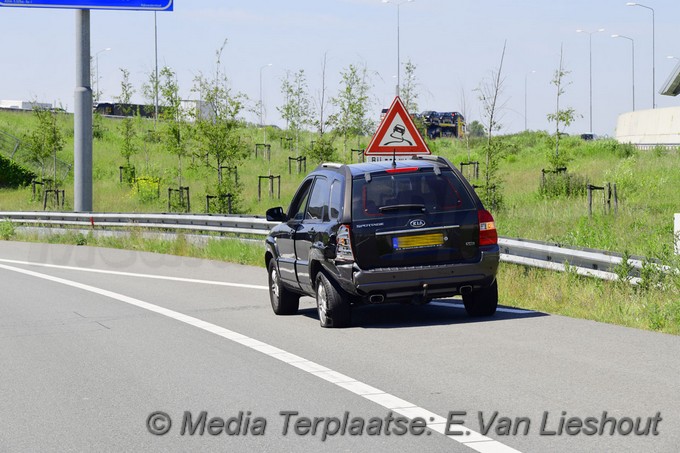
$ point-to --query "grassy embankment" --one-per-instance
(646, 183)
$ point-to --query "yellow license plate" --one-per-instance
(420, 241)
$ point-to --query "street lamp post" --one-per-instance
(671, 57)
(653, 52)
(398, 40)
(261, 102)
(526, 76)
(96, 59)
(590, 60)
(632, 46)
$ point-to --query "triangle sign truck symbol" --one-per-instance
(397, 134)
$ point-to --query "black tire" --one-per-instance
(482, 302)
(284, 301)
(334, 309)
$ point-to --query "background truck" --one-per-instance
(443, 124)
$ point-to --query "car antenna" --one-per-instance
(394, 158)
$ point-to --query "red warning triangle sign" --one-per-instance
(397, 134)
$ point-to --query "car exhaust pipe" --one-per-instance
(467, 289)
(376, 298)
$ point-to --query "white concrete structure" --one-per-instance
(196, 109)
(23, 105)
(648, 128)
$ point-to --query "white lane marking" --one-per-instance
(131, 274)
(437, 423)
(211, 282)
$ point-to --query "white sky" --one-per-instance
(454, 44)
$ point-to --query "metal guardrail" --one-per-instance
(594, 263)
(189, 222)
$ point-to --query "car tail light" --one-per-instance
(344, 247)
(401, 170)
(487, 228)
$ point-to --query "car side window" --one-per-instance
(299, 203)
(317, 208)
(336, 200)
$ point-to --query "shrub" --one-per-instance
(147, 188)
(321, 151)
(13, 174)
(562, 185)
(7, 230)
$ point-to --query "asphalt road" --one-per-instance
(95, 341)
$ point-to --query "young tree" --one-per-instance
(150, 91)
(490, 92)
(324, 120)
(464, 112)
(127, 125)
(217, 126)
(560, 116)
(297, 110)
(173, 118)
(409, 90)
(45, 141)
(353, 102)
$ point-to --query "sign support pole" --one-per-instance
(82, 118)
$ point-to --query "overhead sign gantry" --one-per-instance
(143, 5)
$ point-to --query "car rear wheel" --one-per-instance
(334, 309)
(482, 302)
(284, 301)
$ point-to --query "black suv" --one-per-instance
(391, 231)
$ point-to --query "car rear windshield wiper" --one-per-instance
(403, 207)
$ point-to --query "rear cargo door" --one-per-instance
(413, 218)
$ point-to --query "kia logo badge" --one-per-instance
(417, 223)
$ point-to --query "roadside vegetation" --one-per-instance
(144, 166)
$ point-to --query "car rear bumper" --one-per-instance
(404, 283)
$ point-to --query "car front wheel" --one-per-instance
(334, 309)
(284, 301)
(482, 302)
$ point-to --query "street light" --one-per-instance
(398, 43)
(632, 46)
(671, 57)
(525, 97)
(261, 104)
(590, 59)
(96, 59)
(653, 39)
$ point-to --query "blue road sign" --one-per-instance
(147, 5)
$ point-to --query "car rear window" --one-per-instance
(388, 194)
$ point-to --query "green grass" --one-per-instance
(647, 183)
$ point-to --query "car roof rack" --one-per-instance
(433, 158)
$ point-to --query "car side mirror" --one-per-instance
(276, 214)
